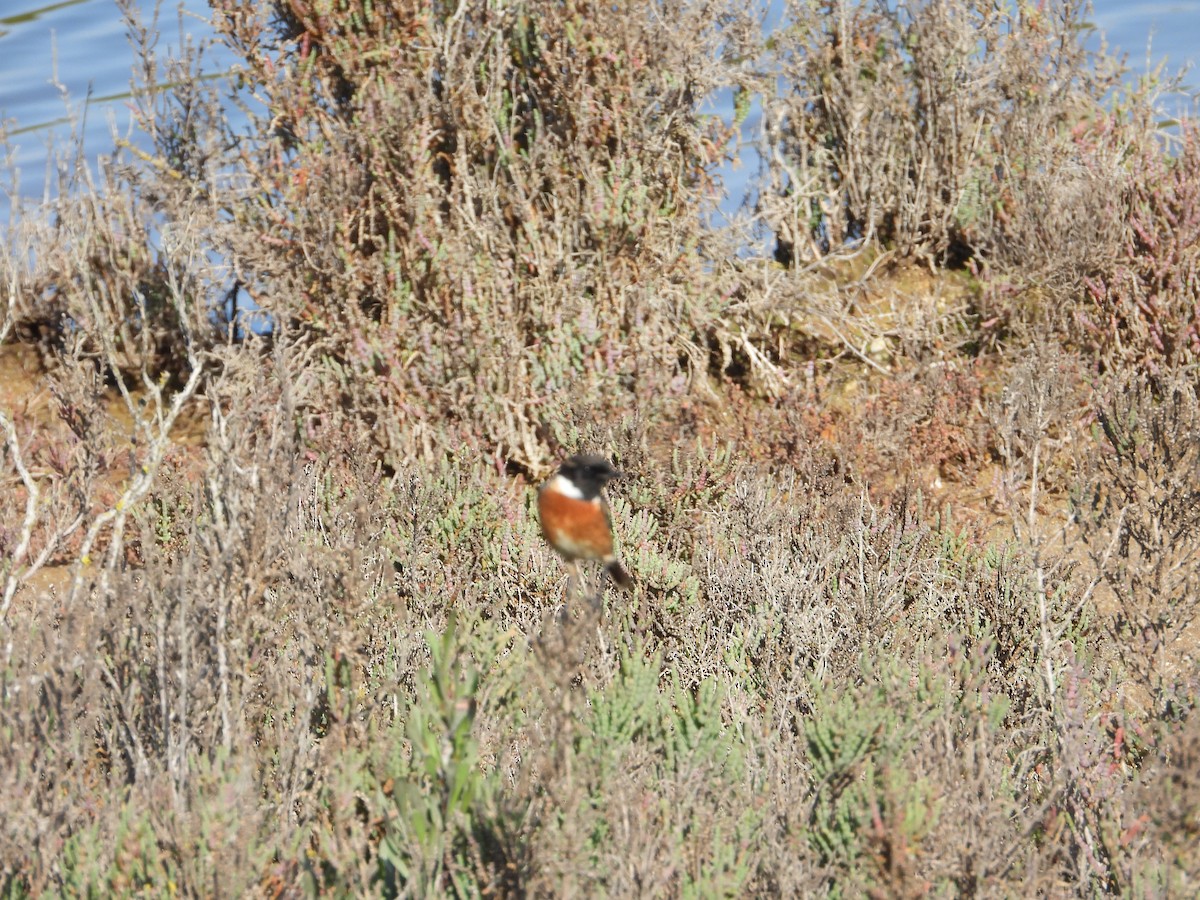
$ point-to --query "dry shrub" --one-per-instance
(1161, 823)
(1142, 309)
(922, 422)
(897, 671)
(476, 233)
(119, 293)
(125, 279)
(149, 680)
(808, 690)
(1139, 513)
(486, 215)
(248, 677)
(1036, 423)
(936, 129)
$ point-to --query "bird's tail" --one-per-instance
(618, 574)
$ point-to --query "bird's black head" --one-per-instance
(589, 473)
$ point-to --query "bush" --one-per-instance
(942, 130)
(1142, 309)
(276, 614)
(512, 198)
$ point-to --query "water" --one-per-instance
(1151, 32)
(52, 56)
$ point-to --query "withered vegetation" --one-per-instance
(913, 505)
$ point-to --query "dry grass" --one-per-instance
(914, 545)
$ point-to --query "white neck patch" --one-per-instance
(566, 487)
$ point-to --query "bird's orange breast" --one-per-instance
(578, 529)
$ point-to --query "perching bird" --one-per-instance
(575, 518)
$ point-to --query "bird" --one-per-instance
(575, 518)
